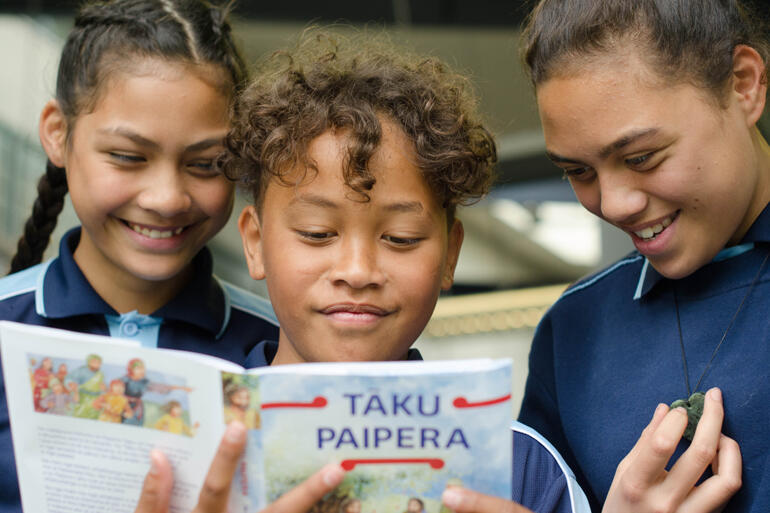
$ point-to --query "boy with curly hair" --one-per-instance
(357, 156)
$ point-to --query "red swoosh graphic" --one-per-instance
(317, 402)
(435, 463)
(462, 402)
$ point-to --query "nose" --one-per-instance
(165, 192)
(357, 265)
(621, 198)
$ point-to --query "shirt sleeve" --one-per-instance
(542, 480)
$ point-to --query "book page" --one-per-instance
(86, 411)
(404, 431)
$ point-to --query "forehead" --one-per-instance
(590, 109)
(393, 165)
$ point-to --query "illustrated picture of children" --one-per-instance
(237, 399)
(40, 378)
(113, 406)
(136, 384)
(88, 381)
(59, 400)
(173, 421)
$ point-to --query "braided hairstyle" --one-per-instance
(107, 36)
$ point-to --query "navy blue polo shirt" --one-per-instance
(608, 352)
(208, 316)
(542, 481)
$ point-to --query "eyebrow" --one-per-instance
(147, 143)
(609, 149)
(320, 201)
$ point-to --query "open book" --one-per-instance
(86, 410)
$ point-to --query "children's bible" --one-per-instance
(86, 410)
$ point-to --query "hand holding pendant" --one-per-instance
(642, 484)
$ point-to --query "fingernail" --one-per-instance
(715, 394)
(681, 410)
(333, 475)
(154, 462)
(660, 409)
(235, 432)
(452, 497)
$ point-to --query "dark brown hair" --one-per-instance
(106, 37)
(682, 40)
(328, 82)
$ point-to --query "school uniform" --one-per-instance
(608, 352)
(208, 316)
(541, 479)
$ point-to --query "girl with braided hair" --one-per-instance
(142, 105)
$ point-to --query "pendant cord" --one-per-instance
(681, 344)
(724, 335)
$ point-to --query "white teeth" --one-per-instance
(651, 231)
(156, 234)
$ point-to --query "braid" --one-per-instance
(51, 190)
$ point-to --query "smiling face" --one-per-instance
(666, 164)
(351, 280)
(140, 175)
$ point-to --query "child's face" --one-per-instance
(47, 364)
(57, 388)
(352, 280)
(140, 175)
(117, 388)
(94, 364)
(648, 158)
(175, 411)
(240, 398)
(138, 371)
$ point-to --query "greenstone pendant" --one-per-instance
(694, 408)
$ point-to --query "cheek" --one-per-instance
(589, 196)
(216, 197)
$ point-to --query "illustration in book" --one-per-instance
(110, 392)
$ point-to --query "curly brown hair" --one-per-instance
(327, 82)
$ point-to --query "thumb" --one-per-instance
(156, 490)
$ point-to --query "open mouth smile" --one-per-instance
(649, 233)
(154, 232)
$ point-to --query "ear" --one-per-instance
(749, 82)
(251, 236)
(53, 133)
(456, 235)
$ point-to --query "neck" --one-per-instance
(122, 290)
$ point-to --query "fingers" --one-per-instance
(715, 491)
(657, 418)
(302, 497)
(156, 491)
(703, 449)
(462, 500)
(216, 486)
(655, 447)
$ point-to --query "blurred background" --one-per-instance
(524, 243)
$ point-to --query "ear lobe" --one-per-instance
(251, 236)
(53, 133)
(749, 82)
(456, 235)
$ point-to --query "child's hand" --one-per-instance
(156, 491)
(642, 484)
(462, 500)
